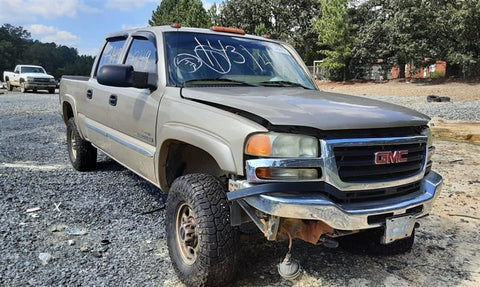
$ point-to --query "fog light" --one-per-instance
(286, 173)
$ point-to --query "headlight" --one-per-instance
(430, 148)
(281, 145)
(29, 79)
(52, 80)
(427, 132)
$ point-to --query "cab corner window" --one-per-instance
(111, 52)
(142, 56)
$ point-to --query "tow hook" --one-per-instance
(289, 268)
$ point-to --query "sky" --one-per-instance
(81, 24)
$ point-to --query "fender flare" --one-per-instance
(211, 143)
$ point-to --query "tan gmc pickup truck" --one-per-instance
(233, 128)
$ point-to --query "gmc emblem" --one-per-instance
(387, 157)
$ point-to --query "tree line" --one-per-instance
(351, 36)
(17, 47)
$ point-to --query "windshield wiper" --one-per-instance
(222, 80)
(284, 84)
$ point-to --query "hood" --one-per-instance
(309, 108)
(37, 75)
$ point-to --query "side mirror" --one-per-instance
(125, 76)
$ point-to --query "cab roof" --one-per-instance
(168, 28)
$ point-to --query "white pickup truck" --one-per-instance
(29, 77)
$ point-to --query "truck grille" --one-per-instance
(357, 163)
(41, 80)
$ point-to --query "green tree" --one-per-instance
(187, 12)
(334, 36)
(214, 15)
(400, 32)
(286, 20)
(458, 28)
(13, 42)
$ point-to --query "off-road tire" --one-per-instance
(51, 91)
(9, 87)
(368, 242)
(22, 87)
(82, 154)
(214, 263)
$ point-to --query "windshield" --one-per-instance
(36, 70)
(200, 59)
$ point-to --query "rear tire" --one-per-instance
(201, 241)
(368, 242)
(9, 87)
(82, 154)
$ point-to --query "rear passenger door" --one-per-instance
(133, 116)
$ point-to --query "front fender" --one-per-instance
(204, 140)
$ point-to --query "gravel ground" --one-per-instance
(123, 216)
(465, 111)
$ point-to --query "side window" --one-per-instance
(111, 52)
(142, 56)
(17, 70)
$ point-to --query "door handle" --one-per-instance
(89, 94)
(112, 100)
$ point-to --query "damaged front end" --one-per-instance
(345, 189)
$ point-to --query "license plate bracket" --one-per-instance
(398, 227)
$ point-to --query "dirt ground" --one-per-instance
(456, 90)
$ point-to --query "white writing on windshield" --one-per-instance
(218, 59)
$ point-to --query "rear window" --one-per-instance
(111, 52)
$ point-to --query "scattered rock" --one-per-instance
(54, 229)
(45, 258)
(97, 254)
(71, 242)
(84, 249)
(35, 209)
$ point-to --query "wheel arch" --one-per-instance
(189, 153)
(67, 111)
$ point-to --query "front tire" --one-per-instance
(22, 87)
(82, 154)
(368, 242)
(51, 91)
(201, 241)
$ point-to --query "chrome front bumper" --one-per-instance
(40, 85)
(352, 216)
